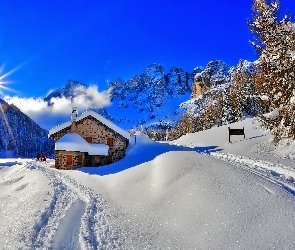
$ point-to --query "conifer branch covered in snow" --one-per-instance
(274, 79)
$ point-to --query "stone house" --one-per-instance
(88, 140)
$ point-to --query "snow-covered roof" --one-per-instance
(98, 117)
(74, 142)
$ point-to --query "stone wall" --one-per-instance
(90, 127)
(61, 158)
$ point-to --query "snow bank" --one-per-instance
(25, 195)
(186, 200)
(74, 142)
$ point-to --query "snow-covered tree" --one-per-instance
(187, 124)
(274, 79)
(211, 113)
(227, 112)
(242, 92)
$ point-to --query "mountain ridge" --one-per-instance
(151, 98)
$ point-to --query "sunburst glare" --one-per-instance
(3, 81)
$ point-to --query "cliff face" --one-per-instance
(215, 73)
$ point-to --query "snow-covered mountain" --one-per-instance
(69, 90)
(20, 136)
(210, 82)
(155, 99)
(149, 99)
(214, 74)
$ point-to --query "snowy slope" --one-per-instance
(127, 116)
(20, 136)
(198, 192)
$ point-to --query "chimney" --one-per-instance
(74, 118)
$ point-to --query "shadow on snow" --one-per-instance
(141, 153)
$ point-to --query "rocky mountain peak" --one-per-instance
(72, 85)
(153, 71)
(153, 81)
(148, 93)
(69, 90)
(215, 73)
(178, 82)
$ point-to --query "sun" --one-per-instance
(4, 82)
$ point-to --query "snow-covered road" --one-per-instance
(71, 217)
(280, 174)
(75, 218)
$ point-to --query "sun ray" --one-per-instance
(5, 82)
(2, 68)
(11, 71)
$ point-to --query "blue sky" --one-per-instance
(98, 41)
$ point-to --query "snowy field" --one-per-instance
(198, 192)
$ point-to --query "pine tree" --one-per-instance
(211, 113)
(187, 124)
(274, 79)
(242, 92)
(227, 112)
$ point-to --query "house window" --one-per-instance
(110, 142)
(89, 139)
(80, 158)
(69, 160)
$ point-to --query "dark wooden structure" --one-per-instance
(235, 131)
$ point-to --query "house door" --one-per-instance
(69, 160)
(80, 159)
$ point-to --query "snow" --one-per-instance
(74, 142)
(197, 192)
(128, 115)
(96, 116)
(273, 114)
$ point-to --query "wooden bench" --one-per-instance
(235, 131)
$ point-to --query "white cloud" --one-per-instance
(59, 109)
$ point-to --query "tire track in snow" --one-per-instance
(70, 197)
(279, 174)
